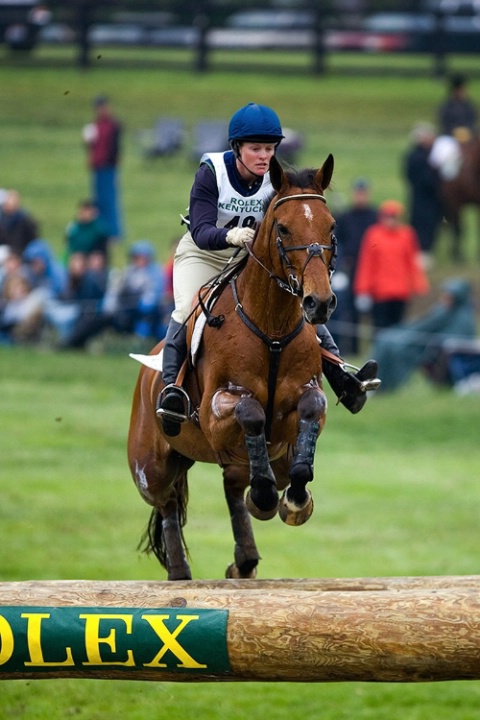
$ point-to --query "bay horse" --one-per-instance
(461, 191)
(257, 401)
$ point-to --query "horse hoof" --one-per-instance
(293, 514)
(234, 573)
(179, 573)
(256, 512)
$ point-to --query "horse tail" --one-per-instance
(153, 538)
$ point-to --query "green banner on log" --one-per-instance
(39, 639)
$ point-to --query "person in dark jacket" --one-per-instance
(17, 227)
(425, 206)
(418, 344)
(102, 140)
(350, 228)
(457, 110)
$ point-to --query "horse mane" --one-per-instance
(302, 179)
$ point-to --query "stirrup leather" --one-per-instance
(172, 414)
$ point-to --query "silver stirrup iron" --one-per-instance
(365, 385)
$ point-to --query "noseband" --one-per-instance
(294, 286)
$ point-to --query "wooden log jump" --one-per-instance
(322, 630)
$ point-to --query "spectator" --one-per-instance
(43, 269)
(20, 311)
(82, 300)
(457, 110)
(21, 306)
(389, 270)
(420, 343)
(17, 227)
(102, 140)
(87, 233)
(424, 185)
(457, 124)
(9, 262)
(351, 226)
(132, 303)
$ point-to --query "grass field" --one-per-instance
(396, 487)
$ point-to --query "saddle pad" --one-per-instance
(154, 362)
(197, 336)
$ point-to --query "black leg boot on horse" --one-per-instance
(172, 403)
(350, 388)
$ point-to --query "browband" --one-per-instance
(302, 196)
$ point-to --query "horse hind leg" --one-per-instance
(246, 555)
(164, 533)
(164, 538)
(262, 498)
(296, 504)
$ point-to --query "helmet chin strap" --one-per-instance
(258, 177)
(236, 149)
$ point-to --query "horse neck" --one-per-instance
(273, 309)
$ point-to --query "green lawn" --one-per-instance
(395, 494)
(395, 489)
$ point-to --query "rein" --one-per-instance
(275, 347)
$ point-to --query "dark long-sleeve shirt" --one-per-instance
(203, 210)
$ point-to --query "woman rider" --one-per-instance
(226, 203)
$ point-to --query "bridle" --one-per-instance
(294, 286)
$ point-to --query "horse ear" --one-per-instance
(277, 176)
(324, 175)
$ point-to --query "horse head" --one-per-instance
(302, 226)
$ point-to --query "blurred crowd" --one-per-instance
(78, 295)
(385, 255)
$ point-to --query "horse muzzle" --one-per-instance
(317, 311)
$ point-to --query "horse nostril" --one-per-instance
(333, 303)
(309, 303)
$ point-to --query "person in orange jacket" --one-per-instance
(389, 270)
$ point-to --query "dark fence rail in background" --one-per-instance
(206, 26)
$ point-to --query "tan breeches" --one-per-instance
(192, 268)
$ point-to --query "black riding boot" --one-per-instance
(350, 388)
(172, 401)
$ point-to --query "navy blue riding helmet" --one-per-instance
(257, 123)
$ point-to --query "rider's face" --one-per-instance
(256, 157)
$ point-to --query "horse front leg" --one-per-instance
(246, 555)
(262, 498)
(296, 505)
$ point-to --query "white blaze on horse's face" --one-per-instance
(307, 211)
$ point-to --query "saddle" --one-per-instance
(200, 316)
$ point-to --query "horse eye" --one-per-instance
(282, 229)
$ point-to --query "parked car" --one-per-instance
(271, 20)
(174, 36)
(409, 32)
(117, 34)
(56, 34)
(21, 22)
(264, 30)
(452, 7)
